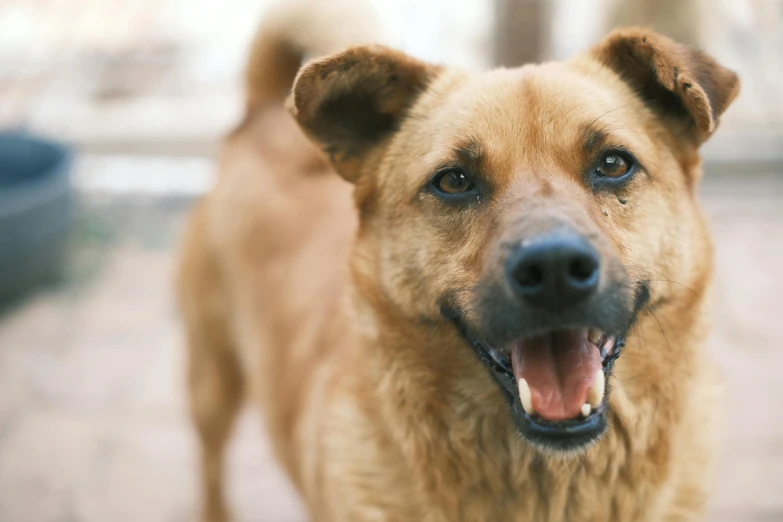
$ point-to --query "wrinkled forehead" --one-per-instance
(537, 118)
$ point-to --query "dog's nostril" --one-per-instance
(530, 276)
(582, 269)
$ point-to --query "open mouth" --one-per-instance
(556, 383)
(560, 375)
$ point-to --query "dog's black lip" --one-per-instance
(562, 435)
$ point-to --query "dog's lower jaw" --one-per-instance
(452, 439)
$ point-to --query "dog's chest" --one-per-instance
(523, 487)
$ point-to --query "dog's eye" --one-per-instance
(614, 165)
(453, 182)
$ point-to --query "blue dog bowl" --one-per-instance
(36, 202)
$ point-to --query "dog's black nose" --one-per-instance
(555, 271)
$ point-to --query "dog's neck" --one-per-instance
(453, 429)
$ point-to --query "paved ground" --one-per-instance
(92, 426)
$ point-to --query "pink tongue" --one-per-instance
(559, 368)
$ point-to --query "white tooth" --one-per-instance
(594, 336)
(525, 398)
(596, 393)
(586, 409)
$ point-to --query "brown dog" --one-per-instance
(500, 318)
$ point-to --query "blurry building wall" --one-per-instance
(677, 19)
(162, 76)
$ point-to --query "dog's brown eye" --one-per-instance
(613, 165)
(453, 182)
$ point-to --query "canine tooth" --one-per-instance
(525, 398)
(594, 336)
(586, 409)
(596, 393)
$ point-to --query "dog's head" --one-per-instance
(530, 207)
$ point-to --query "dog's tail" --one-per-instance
(295, 30)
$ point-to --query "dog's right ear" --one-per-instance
(351, 101)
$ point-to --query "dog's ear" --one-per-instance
(674, 80)
(350, 101)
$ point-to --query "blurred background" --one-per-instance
(92, 419)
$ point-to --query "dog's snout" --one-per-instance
(554, 271)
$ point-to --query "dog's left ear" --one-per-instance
(674, 80)
(351, 101)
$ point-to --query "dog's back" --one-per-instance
(265, 253)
